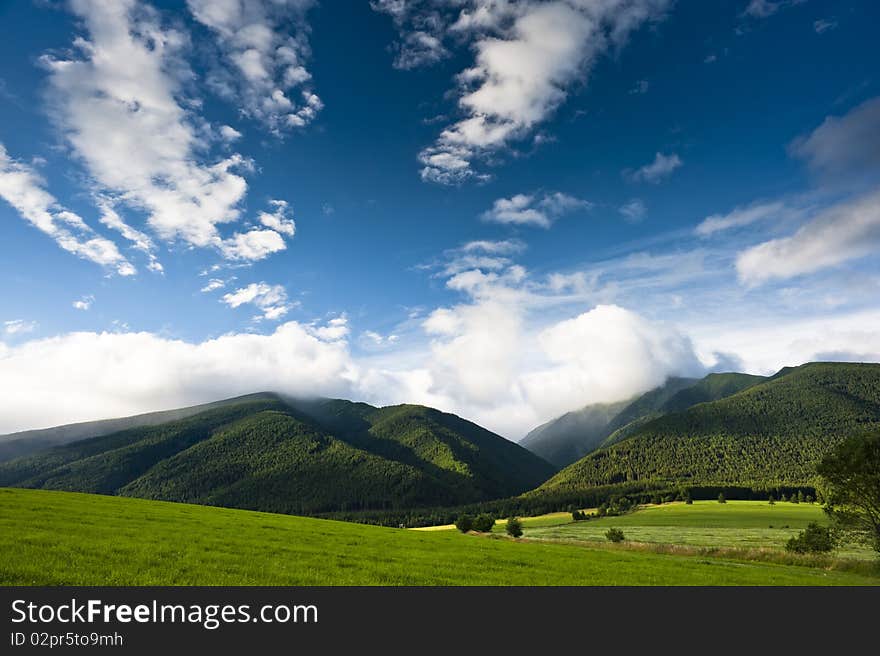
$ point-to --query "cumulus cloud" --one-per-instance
(662, 167)
(532, 209)
(842, 232)
(252, 245)
(89, 375)
(19, 327)
(633, 210)
(229, 133)
(24, 189)
(739, 217)
(84, 303)
(271, 300)
(845, 147)
(265, 46)
(119, 98)
(279, 219)
(527, 55)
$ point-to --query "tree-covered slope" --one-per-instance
(711, 388)
(769, 434)
(571, 436)
(269, 453)
(18, 445)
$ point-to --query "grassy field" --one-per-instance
(736, 524)
(61, 538)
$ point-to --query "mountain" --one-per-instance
(575, 434)
(267, 452)
(16, 445)
(771, 433)
(565, 439)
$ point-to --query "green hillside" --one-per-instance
(262, 453)
(575, 434)
(770, 434)
(571, 436)
(17, 445)
(59, 538)
(711, 388)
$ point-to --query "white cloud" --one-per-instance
(119, 98)
(824, 25)
(526, 57)
(89, 375)
(842, 232)
(252, 245)
(271, 300)
(531, 209)
(846, 147)
(766, 8)
(764, 347)
(662, 167)
(139, 240)
(633, 211)
(741, 216)
(229, 133)
(25, 190)
(213, 285)
(499, 247)
(265, 46)
(19, 327)
(279, 219)
(84, 303)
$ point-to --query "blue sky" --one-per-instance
(502, 209)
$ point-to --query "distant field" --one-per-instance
(747, 524)
(62, 538)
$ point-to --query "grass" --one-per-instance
(62, 538)
(732, 525)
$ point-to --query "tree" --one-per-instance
(851, 472)
(721, 498)
(484, 523)
(813, 539)
(514, 527)
(464, 523)
(771, 500)
(614, 535)
(800, 496)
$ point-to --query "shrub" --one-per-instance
(484, 523)
(813, 539)
(514, 527)
(721, 498)
(614, 535)
(771, 500)
(464, 523)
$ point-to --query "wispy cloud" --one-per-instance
(527, 56)
(24, 189)
(660, 168)
(633, 210)
(534, 209)
(270, 300)
(19, 327)
(117, 99)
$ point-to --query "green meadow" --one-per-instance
(63, 538)
(735, 525)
